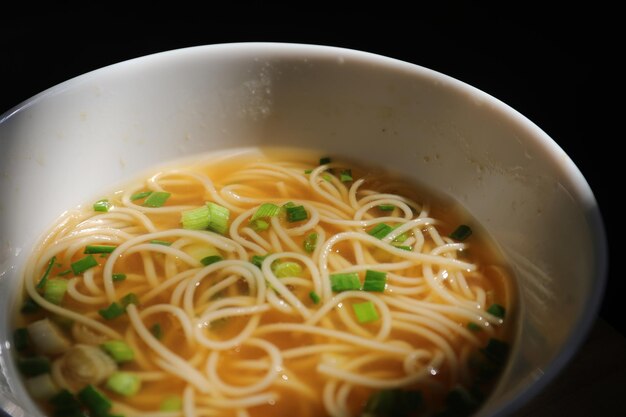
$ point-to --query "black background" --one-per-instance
(555, 67)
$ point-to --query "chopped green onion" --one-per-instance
(99, 249)
(345, 175)
(265, 210)
(386, 207)
(461, 233)
(380, 230)
(211, 260)
(327, 177)
(171, 403)
(160, 242)
(374, 281)
(44, 278)
(308, 171)
(29, 306)
(112, 311)
(259, 225)
(156, 199)
(130, 298)
(95, 401)
(20, 339)
(102, 205)
(67, 271)
(365, 312)
(83, 264)
(218, 219)
(65, 405)
(34, 365)
(156, 331)
(393, 402)
(287, 269)
(325, 160)
(474, 327)
(118, 350)
(496, 350)
(314, 297)
(497, 310)
(196, 219)
(345, 282)
(258, 259)
(124, 383)
(140, 195)
(310, 242)
(55, 289)
(119, 277)
(296, 214)
(404, 247)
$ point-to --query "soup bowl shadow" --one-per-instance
(65, 145)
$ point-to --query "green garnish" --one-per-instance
(461, 233)
(345, 175)
(211, 260)
(83, 264)
(66, 272)
(196, 219)
(258, 259)
(314, 297)
(374, 281)
(172, 403)
(140, 195)
(130, 298)
(497, 310)
(102, 205)
(119, 350)
(325, 160)
(265, 210)
(380, 230)
(156, 331)
(44, 278)
(310, 242)
(93, 249)
(386, 207)
(259, 225)
(29, 306)
(34, 365)
(124, 383)
(161, 242)
(20, 339)
(119, 277)
(95, 401)
(474, 327)
(55, 289)
(365, 312)
(287, 269)
(113, 311)
(218, 220)
(296, 213)
(404, 247)
(345, 282)
(156, 199)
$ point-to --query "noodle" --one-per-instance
(251, 322)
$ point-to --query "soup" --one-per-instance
(276, 283)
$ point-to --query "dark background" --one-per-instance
(554, 67)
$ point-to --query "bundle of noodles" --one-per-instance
(262, 287)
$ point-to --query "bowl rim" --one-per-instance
(578, 185)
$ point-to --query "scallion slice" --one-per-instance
(196, 219)
(374, 281)
(172, 403)
(380, 230)
(310, 242)
(345, 282)
(265, 210)
(92, 249)
(119, 277)
(102, 205)
(34, 365)
(156, 331)
(20, 339)
(55, 289)
(345, 175)
(296, 214)
(404, 247)
(63, 273)
(208, 260)
(140, 195)
(160, 242)
(365, 312)
(218, 219)
(119, 350)
(124, 383)
(113, 311)
(461, 233)
(83, 264)
(287, 269)
(130, 298)
(314, 297)
(497, 310)
(98, 403)
(156, 199)
(44, 278)
(325, 160)
(474, 327)
(258, 259)
(259, 225)
(386, 207)
(29, 306)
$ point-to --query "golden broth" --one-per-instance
(427, 319)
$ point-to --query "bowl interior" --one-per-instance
(79, 138)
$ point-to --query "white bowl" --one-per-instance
(69, 143)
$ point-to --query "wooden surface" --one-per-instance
(592, 384)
